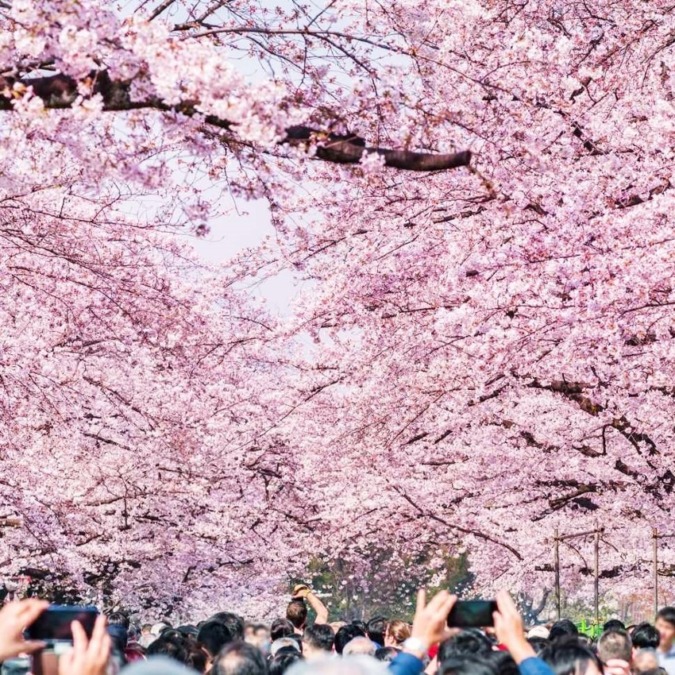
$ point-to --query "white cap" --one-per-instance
(539, 632)
(158, 628)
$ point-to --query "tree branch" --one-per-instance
(61, 92)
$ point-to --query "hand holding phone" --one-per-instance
(13, 618)
(429, 623)
(54, 623)
(90, 654)
(510, 629)
(472, 614)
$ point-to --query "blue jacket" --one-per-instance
(534, 666)
(407, 664)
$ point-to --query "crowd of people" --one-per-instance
(225, 644)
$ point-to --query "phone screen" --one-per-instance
(472, 614)
(54, 623)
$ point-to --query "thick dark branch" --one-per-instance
(60, 91)
(453, 526)
(575, 392)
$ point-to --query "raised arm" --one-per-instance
(306, 593)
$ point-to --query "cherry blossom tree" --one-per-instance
(498, 343)
(479, 195)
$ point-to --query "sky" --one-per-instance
(248, 222)
(247, 229)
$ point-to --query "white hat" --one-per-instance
(539, 632)
(158, 628)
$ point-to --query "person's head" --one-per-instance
(467, 641)
(179, 648)
(645, 660)
(296, 613)
(259, 636)
(234, 623)
(539, 631)
(397, 633)
(563, 629)
(502, 662)
(538, 644)
(359, 645)
(568, 657)
(615, 644)
(188, 629)
(467, 664)
(158, 628)
(387, 654)
(376, 628)
(613, 624)
(280, 663)
(157, 666)
(345, 635)
(118, 636)
(285, 644)
(146, 629)
(239, 658)
(352, 665)
(317, 641)
(645, 636)
(665, 624)
(281, 628)
(213, 636)
(119, 619)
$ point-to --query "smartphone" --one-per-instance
(53, 625)
(472, 614)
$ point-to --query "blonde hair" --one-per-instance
(399, 631)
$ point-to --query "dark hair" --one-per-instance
(174, 649)
(213, 636)
(562, 629)
(645, 636)
(120, 619)
(281, 628)
(188, 629)
(239, 658)
(282, 661)
(345, 635)
(614, 624)
(615, 644)
(667, 614)
(361, 625)
(296, 613)
(179, 647)
(502, 662)
(467, 664)
(538, 644)
(234, 623)
(467, 641)
(118, 636)
(387, 654)
(319, 636)
(568, 657)
(375, 629)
